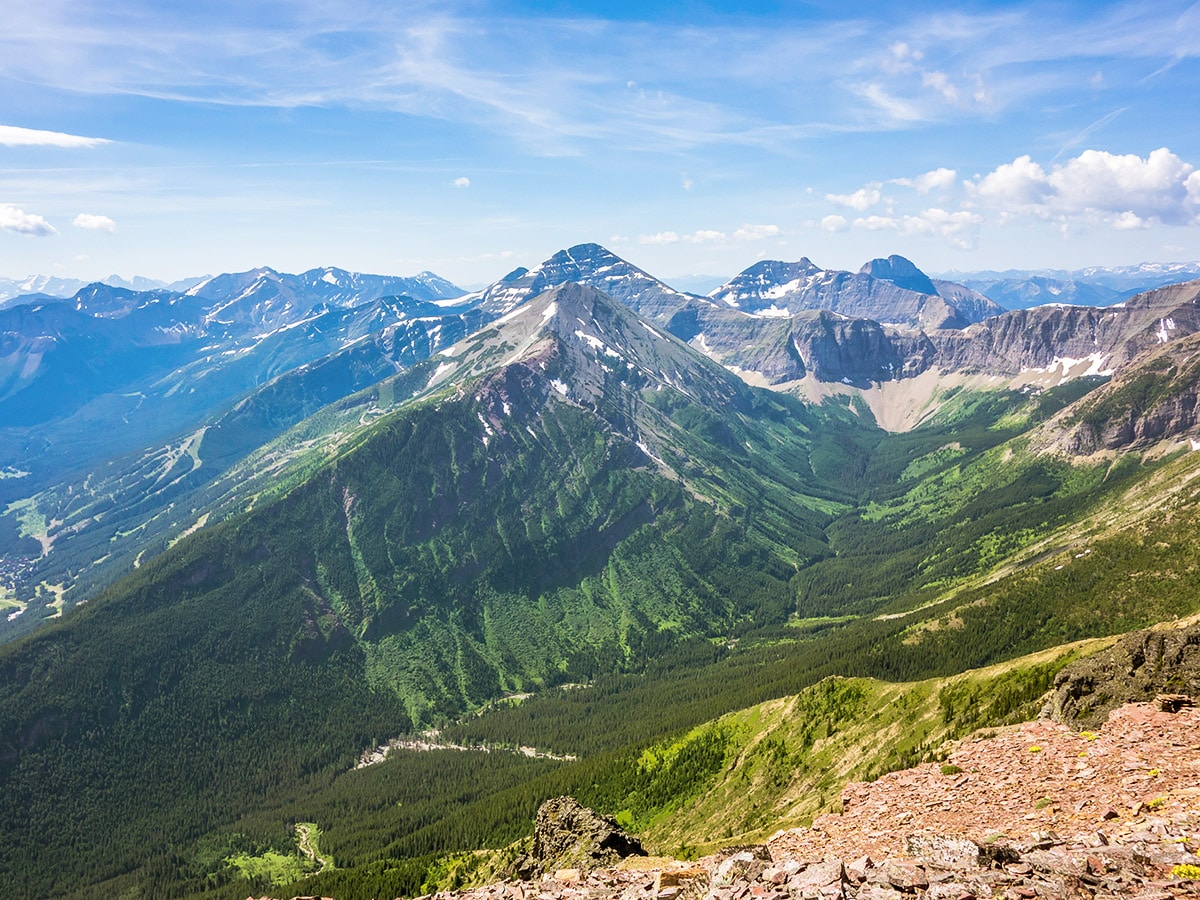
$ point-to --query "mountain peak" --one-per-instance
(592, 265)
(900, 272)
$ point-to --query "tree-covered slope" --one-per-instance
(571, 496)
(495, 536)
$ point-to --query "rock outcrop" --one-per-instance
(1137, 668)
(569, 836)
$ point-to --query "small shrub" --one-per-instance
(1042, 803)
(1035, 749)
(1186, 870)
(951, 769)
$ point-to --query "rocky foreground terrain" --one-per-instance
(1032, 811)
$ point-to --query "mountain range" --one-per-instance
(258, 527)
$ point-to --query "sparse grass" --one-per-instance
(787, 759)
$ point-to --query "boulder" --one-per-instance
(946, 852)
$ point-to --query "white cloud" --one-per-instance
(1019, 183)
(711, 236)
(900, 111)
(687, 183)
(901, 52)
(95, 223)
(940, 82)
(663, 237)
(756, 232)
(935, 180)
(462, 182)
(877, 223)
(1128, 221)
(1125, 191)
(835, 223)
(21, 222)
(862, 199)
(961, 227)
(14, 136)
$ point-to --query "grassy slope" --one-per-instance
(786, 760)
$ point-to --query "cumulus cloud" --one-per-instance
(95, 223)
(756, 232)
(21, 222)
(936, 180)
(862, 199)
(462, 182)
(14, 136)
(663, 237)
(1123, 190)
(835, 223)
(1020, 183)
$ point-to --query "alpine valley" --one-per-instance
(322, 583)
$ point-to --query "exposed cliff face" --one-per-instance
(820, 344)
(1061, 341)
(1036, 338)
(1156, 397)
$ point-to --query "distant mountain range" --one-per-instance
(1093, 286)
(48, 286)
(1011, 288)
(251, 529)
(136, 402)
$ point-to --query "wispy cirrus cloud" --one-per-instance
(15, 136)
(712, 236)
(553, 82)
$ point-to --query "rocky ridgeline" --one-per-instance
(1032, 812)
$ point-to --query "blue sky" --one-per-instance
(167, 138)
